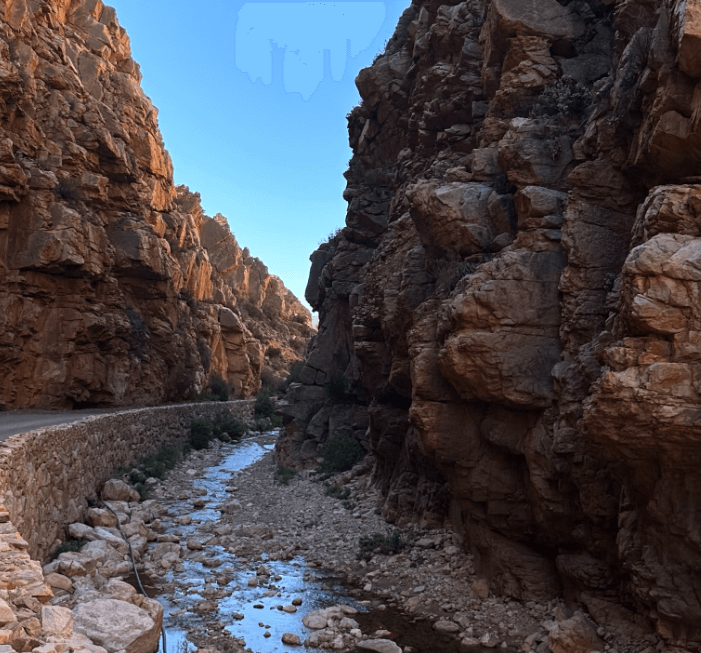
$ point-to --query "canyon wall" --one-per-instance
(510, 318)
(115, 288)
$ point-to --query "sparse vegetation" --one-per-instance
(223, 427)
(337, 388)
(565, 97)
(69, 190)
(331, 238)
(337, 492)
(68, 546)
(273, 352)
(153, 466)
(285, 475)
(201, 433)
(340, 453)
(137, 321)
(295, 373)
(379, 543)
(264, 411)
(219, 388)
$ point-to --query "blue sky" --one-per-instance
(252, 101)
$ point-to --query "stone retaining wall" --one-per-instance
(48, 475)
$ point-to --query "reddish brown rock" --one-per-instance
(514, 301)
(114, 285)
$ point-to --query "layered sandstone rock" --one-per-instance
(513, 301)
(115, 288)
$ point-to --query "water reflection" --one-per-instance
(201, 595)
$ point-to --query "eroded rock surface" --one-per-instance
(115, 288)
(509, 319)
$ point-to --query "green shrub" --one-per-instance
(264, 406)
(144, 489)
(155, 465)
(337, 492)
(264, 424)
(564, 97)
(337, 388)
(201, 432)
(340, 453)
(295, 373)
(227, 423)
(68, 546)
(378, 543)
(219, 388)
(285, 475)
(224, 427)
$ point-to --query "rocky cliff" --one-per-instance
(512, 309)
(115, 288)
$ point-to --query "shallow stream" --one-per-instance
(201, 598)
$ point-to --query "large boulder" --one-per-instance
(116, 490)
(117, 626)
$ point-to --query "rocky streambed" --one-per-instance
(241, 561)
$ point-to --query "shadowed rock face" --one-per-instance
(114, 287)
(513, 301)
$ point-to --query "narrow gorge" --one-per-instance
(509, 321)
(115, 288)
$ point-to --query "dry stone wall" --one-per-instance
(48, 475)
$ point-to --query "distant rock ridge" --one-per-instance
(115, 288)
(513, 304)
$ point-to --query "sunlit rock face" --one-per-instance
(514, 301)
(114, 287)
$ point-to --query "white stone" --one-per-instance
(101, 551)
(379, 646)
(116, 490)
(81, 532)
(446, 626)
(117, 625)
(314, 620)
(56, 621)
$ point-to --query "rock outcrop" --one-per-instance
(115, 288)
(511, 309)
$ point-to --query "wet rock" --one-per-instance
(315, 620)
(291, 639)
